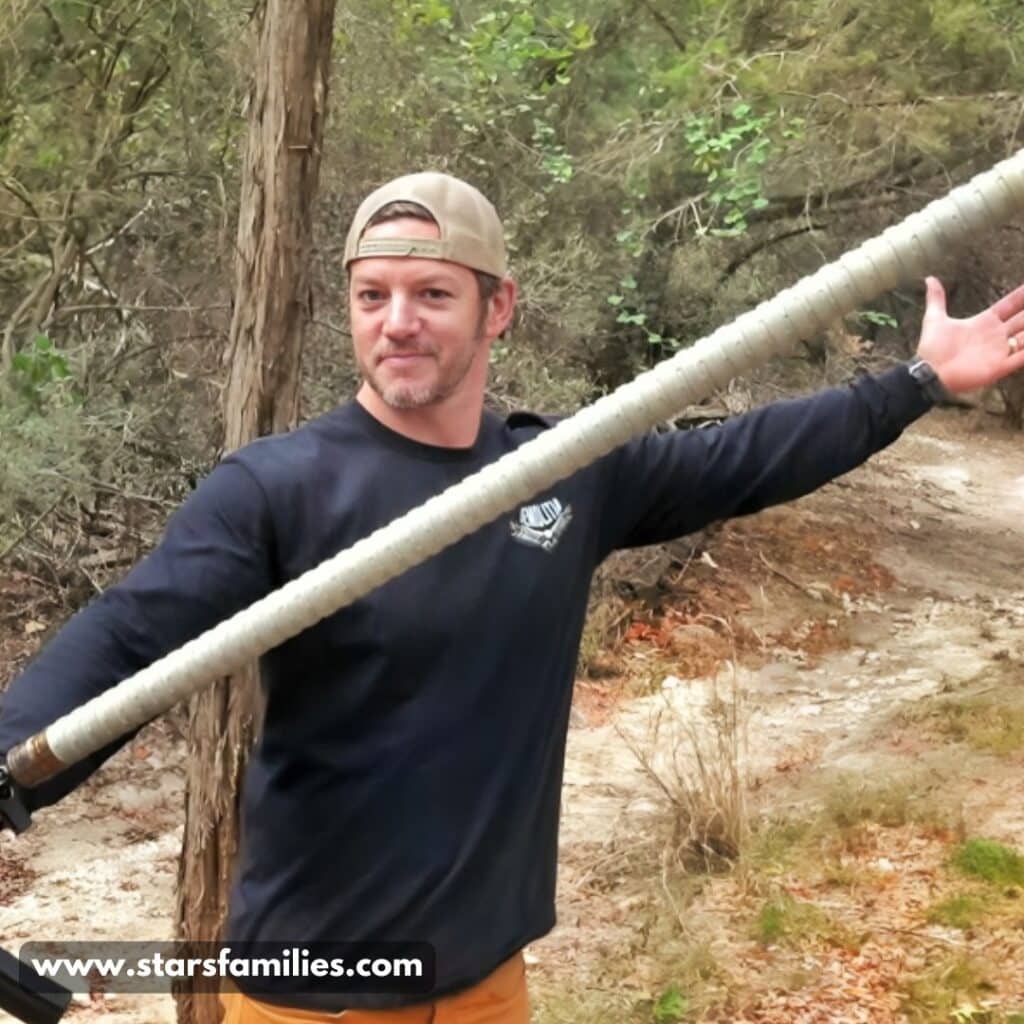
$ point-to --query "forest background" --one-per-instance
(660, 168)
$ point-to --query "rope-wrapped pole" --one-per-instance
(901, 252)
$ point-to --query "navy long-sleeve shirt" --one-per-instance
(406, 785)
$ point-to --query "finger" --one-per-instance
(1010, 304)
(1015, 325)
(935, 296)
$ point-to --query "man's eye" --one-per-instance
(370, 295)
(436, 293)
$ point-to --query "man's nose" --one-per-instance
(402, 319)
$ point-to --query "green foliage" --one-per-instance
(670, 1007)
(513, 36)
(730, 154)
(876, 318)
(991, 861)
(963, 910)
(625, 302)
(663, 143)
(659, 168)
(522, 377)
(93, 80)
(37, 369)
(45, 438)
(107, 113)
(501, 68)
(783, 919)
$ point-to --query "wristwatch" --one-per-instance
(928, 380)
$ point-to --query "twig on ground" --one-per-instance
(802, 587)
(913, 932)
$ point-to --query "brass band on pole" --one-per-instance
(33, 762)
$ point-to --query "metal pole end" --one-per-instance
(33, 762)
(27, 996)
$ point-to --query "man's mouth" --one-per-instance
(402, 356)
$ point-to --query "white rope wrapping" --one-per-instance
(901, 252)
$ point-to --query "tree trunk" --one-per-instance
(272, 304)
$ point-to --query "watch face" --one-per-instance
(925, 375)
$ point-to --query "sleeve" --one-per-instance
(216, 557)
(666, 485)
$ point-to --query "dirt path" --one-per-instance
(938, 608)
(900, 582)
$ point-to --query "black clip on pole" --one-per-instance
(13, 812)
(24, 994)
(28, 996)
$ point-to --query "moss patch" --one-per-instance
(963, 910)
(991, 861)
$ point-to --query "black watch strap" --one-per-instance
(928, 380)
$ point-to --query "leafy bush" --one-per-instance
(38, 370)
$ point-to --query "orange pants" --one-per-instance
(500, 998)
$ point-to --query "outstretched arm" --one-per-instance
(666, 485)
(216, 557)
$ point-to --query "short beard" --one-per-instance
(410, 396)
(413, 396)
(401, 395)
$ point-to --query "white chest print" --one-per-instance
(543, 524)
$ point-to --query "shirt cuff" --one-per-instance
(907, 400)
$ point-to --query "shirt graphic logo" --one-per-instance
(543, 524)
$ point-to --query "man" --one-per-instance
(406, 783)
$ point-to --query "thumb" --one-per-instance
(935, 297)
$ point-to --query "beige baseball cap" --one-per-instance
(471, 232)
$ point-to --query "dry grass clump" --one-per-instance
(952, 990)
(697, 759)
(607, 619)
(991, 721)
(776, 844)
(853, 801)
(983, 724)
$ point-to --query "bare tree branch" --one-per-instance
(665, 24)
(765, 243)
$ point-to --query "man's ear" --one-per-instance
(500, 308)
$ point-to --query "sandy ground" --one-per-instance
(941, 512)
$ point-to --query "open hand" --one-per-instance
(976, 352)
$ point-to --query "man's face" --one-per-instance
(418, 328)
